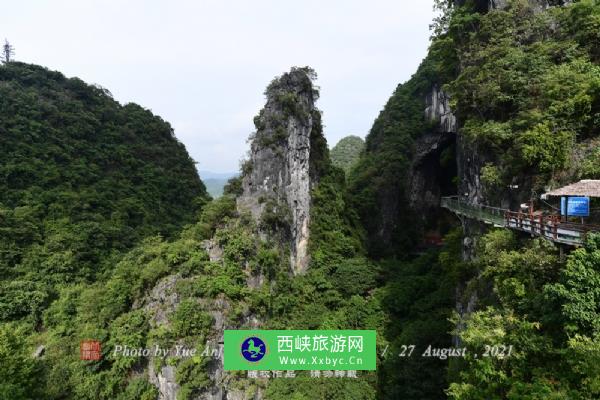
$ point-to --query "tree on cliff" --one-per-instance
(8, 51)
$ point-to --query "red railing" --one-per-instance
(543, 225)
(549, 226)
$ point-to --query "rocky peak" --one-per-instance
(277, 177)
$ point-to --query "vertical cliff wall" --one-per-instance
(432, 167)
(409, 164)
(277, 176)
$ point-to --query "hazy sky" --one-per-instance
(203, 65)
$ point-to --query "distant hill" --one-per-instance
(215, 181)
(346, 152)
(83, 177)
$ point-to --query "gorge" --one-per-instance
(107, 231)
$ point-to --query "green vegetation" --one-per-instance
(548, 311)
(113, 311)
(19, 372)
(346, 152)
(272, 127)
(378, 182)
(83, 178)
(527, 96)
(322, 298)
(84, 181)
(106, 231)
(417, 301)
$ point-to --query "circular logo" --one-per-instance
(253, 349)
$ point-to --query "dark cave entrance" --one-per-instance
(436, 176)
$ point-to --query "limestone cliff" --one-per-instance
(472, 158)
(278, 175)
(285, 158)
(429, 178)
(437, 110)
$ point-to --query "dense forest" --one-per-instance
(107, 231)
(524, 83)
(84, 180)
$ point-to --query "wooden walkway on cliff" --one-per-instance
(548, 226)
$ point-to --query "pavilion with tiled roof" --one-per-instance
(586, 187)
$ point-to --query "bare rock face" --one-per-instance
(159, 303)
(426, 176)
(215, 253)
(500, 4)
(437, 109)
(39, 351)
(424, 189)
(277, 176)
(164, 380)
(470, 162)
(276, 181)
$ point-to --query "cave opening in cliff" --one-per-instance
(439, 174)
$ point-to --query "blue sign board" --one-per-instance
(578, 206)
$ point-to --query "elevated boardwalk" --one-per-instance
(548, 226)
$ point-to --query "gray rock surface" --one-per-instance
(279, 163)
(159, 303)
(215, 253)
(39, 351)
(424, 186)
(277, 180)
(164, 380)
(437, 109)
(162, 300)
